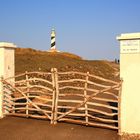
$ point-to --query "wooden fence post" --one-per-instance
(85, 96)
(27, 102)
(55, 95)
(1, 97)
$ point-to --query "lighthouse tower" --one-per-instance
(53, 47)
(53, 42)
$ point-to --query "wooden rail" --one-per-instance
(75, 97)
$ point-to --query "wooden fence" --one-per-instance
(75, 97)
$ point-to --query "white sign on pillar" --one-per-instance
(7, 66)
(130, 74)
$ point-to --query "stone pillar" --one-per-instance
(7, 66)
(130, 74)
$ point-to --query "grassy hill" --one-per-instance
(34, 60)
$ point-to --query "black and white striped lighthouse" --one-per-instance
(53, 43)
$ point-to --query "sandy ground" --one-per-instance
(16, 128)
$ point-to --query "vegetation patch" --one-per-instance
(28, 59)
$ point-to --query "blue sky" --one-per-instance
(84, 27)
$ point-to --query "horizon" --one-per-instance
(83, 27)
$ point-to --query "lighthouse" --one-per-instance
(53, 41)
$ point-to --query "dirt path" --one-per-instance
(15, 128)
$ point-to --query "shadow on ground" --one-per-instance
(15, 128)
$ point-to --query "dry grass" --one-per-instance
(126, 136)
(33, 60)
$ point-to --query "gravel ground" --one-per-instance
(16, 128)
(130, 136)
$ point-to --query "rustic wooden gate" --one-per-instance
(74, 97)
